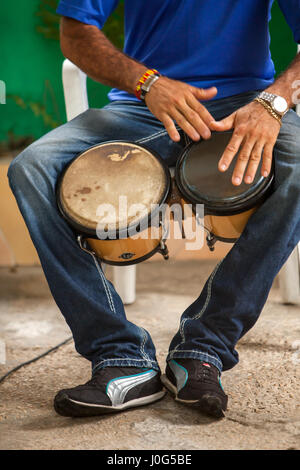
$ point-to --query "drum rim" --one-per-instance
(229, 208)
(91, 233)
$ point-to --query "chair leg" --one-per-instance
(124, 279)
(289, 278)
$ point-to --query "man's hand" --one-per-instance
(172, 100)
(255, 133)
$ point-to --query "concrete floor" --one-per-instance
(263, 389)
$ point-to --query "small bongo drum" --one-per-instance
(110, 194)
(227, 208)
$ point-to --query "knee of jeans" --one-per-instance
(23, 164)
(287, 162)
(287, 147)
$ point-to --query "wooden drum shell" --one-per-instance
(127, 250)
(228, 228)
(227, 209)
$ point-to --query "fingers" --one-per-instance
(250, 157)
(247, 156)
(185, 125)
(170, 127)
(254, 162)
(267, 159)
(253, 139)
(196, 117)
(231, 150)
(205, 93)
(251, 151)
(171, 100)
(201, 110)
(189, 120)
(224, 125)
(192, 116)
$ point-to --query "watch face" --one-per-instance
(280, 104)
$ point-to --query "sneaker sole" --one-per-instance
(208, 404)
(65, 406)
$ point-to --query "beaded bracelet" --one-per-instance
(138, 90)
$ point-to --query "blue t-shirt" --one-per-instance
(222, 43)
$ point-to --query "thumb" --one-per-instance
(224, 124)
(205, 93)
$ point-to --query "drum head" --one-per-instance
(201, 182)
(97, 178)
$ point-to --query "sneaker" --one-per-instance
(110, 390)
(197, 384)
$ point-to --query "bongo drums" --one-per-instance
(109, 195)
(227, 208)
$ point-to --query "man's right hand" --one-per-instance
(172, 100)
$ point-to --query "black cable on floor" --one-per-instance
(35, 358)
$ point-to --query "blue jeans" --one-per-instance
(234, 294)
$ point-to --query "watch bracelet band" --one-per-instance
(264, 95)
(269, 109)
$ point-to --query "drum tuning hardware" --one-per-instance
(82, 243)
(165, 229)
(211, 240)
(126, 255)
(163, 250)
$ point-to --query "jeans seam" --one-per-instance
(122, 359)
(106, 287)
(198, 315)
(153, 136)
(142, 348)
(171, 354)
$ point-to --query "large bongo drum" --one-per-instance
(114, 191)
(227, 208)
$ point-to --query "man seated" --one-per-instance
(212, 64)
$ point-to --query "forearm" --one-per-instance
(283, 86)
(88, 48)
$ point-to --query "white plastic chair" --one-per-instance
(124, 277)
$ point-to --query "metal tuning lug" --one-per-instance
(163, 250)
(211, 241)
(82, 244)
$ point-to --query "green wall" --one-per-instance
(30, 65)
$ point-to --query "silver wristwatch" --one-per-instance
(277, 103)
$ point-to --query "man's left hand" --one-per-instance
(254, 136)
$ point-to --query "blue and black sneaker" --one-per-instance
(110, 390)
(196, 383)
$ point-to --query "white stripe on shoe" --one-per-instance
(129, 404)
(118, 388)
